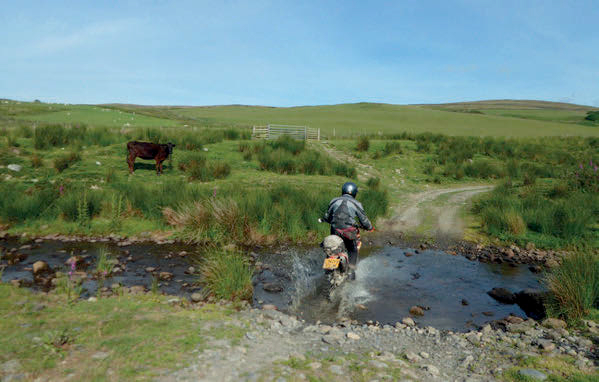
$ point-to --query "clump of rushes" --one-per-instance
(36, 161)
(65, 161)
(227, 275)
(574, 286)
(363, 143)
(104, 263)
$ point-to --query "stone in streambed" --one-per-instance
(272, 287)
(40, 267)
(502, 295)
(416, 311)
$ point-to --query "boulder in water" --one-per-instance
(502, 295)
(531, 301)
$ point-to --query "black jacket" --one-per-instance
(344, 210)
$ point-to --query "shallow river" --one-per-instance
(452, 289)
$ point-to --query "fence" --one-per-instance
(296, 132)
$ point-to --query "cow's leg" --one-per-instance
(131, 163)
(158, 166)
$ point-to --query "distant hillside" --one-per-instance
(511, 104)
(483, 118)
(525, 109)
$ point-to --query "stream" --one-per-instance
(451, 290)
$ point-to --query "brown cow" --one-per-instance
(147, 150)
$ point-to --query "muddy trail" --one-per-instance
(433, 213)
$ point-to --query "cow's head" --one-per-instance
(170, 148)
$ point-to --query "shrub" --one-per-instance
(227, 275)
(65, 161)
(363, 143)
(574, 286)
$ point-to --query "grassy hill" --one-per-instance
(485, 118)
(525, 109)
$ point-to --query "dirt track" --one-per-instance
(423, 208)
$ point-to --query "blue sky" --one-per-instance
(284, 53)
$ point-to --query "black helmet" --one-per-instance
(349, 188)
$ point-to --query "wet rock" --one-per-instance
(502, 295)
(190, 271)
(272, 287)
(535, 268)
(361, 306)
(488, 313)
(409, 254)
(531, 301)
(416, 311)
(408, 321)
(532, 373)
(465, 302)
(40, 267)
(150, 269)
(554, 323)
(165, 276)
(269, 307)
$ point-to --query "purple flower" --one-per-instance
(580, 166)
(214, 192)
(590, 163)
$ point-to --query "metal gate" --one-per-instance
(296, 132)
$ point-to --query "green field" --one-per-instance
(74, 155)
(515, 119)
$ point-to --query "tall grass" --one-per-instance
(289, 156)
(574, 286)
(227, 275)
(199, 168)
(552, 212)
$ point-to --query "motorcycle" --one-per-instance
(336, 262)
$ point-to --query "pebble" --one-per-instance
(353, 336)
(413, 357)
(336, 369)
(424, 354)
(315, 365)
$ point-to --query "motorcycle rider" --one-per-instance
(345, 215)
